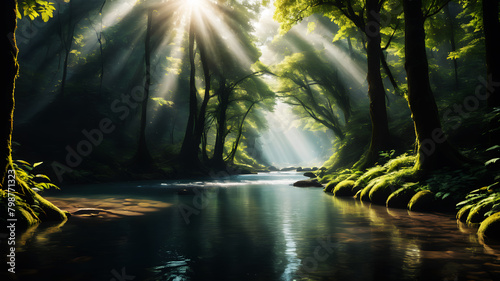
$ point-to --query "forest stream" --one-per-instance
(245, 227)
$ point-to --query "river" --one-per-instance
(246, 227)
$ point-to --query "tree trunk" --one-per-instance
(218, 157)
(199, 127)
(434, 150)
(143, 156)
(452, 42)
(492, 41)
(188, 154)
(232, 154)
(67, 43)
(380, 138)
(9, 62)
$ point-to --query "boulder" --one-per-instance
(308, 183)
(330, 186)
(380, 192)
(422, 201)
(344, 188)
(400, 198)
(489, 230)
(463, 213)
(309, 175)
(476, 213)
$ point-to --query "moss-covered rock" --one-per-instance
(344, 188)
(400, 162)
(476, 213)
(330, 186)
(422, 201)
(400, 198)
(365, 192)
(463, 213)
(308, 183)
(381, 191)
(368, 176)
(489, 230)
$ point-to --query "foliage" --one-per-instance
(314, 87)
(37, 182)
(36, 8)
(488, 195)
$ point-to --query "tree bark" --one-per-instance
(143, 156)
(434, 150)
(232, 154)
(200, 121)
(380, 138)
(223, 97)
(452, 42)
(188, 153)
(9, 81)
(67, 44)
(492, 41)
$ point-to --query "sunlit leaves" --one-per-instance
(36, 8)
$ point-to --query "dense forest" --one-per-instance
(400, 98)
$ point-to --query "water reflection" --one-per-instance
(258, 232)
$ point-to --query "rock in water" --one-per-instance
(309, 175)
(489, 231)
(308, 183)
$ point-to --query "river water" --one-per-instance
(246, 227)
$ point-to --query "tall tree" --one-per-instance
(143, 156)
(491, 26)
(365, 15)
(9, 61)
(434, 150)
(32, 9)
(314, 85)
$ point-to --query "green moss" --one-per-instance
(330, 186)
(400, 162)
(389, 183)
(422, 201)
(463, 213)
(344, 188)
(26, 217)
(490, 228)
(365, 192)
(381, 191)
(401, 197)
(369, 175)
(476, 213)
(336, 178)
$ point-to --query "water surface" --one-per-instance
(247, 227)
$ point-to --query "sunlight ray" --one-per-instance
(286, 145)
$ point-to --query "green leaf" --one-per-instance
(491, 161)
(22, 162)
(42, 176)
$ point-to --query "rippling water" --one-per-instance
(247, 227)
